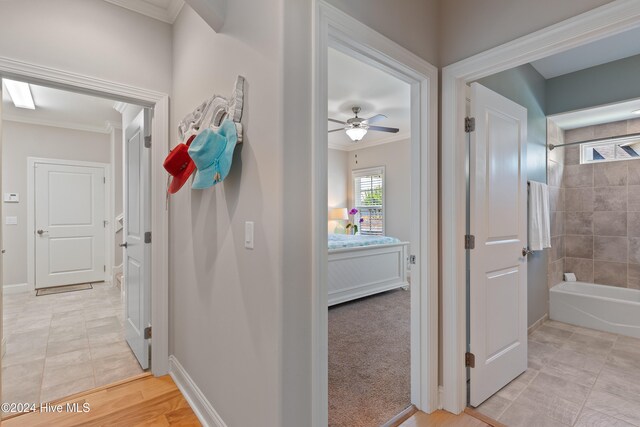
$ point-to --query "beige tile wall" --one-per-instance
(601, 217)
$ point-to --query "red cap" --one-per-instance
(179, 165)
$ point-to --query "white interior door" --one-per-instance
(69, 222)
(498, 220)
(137, 237)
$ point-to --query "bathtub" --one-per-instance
(605, 308)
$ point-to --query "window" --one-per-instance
(610, 150)
(368, 194)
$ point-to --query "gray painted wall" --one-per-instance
(602, 84)
(525, 86)
(19, 141)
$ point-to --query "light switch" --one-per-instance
(11, 220)
(11, 198)
(248, 234)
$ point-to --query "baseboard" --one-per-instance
(15, 289)
(199, 403)
(537, 324)
(440, 397)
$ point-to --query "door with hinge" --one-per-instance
(498, 221)
(137, 236)
(69, 220)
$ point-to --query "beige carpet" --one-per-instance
(369, 360)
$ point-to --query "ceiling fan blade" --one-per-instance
(337, 121)
(375, 118)
(336, 130)
(384, 129)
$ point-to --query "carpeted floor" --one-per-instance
(369, 360)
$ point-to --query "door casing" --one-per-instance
(607, 20)
(90, 85)
(335, 29)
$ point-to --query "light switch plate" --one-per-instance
(11, 220)
(11, 198)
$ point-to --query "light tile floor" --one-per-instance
(576, 377)
(62, 344)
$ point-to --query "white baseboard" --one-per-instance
(440, 396)
(15, 289)
(199, 403)
(531, 329)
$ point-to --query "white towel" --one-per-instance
(539, 218)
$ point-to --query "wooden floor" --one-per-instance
(443, 418)
(140, 401)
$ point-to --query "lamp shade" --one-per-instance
(338, 214)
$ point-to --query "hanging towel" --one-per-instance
(539, 218)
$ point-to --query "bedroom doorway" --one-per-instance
(376, 287)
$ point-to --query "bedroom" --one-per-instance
(370, 234)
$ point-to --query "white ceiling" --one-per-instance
(354, 83)
(60, 108)
(598, 115)
(610, 49)
(162, 10)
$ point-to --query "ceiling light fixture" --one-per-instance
(20, 94)
(636, 111)
(356, 133)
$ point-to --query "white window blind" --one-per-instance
(369, 200)
(624, 148)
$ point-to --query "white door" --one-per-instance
(498, 220)
(137, 226)
(69, 222)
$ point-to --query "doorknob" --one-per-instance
(123, 245)
(41, 232)
(526, 251)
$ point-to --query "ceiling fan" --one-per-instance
(356, 128)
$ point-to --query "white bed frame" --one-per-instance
(366, 270)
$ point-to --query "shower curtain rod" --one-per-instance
(552, 146)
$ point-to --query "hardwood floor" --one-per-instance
(443, 418)
(140, 401)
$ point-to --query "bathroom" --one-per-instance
(583, 291)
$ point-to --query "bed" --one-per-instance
(365, 265)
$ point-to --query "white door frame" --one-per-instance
(33, 73)
(333, 28)
(31, 198)
(607, 20)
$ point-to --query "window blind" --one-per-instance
(369, 200)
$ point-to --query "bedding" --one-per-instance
(339, 241)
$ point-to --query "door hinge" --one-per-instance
(147, 237)
(412, 259)
(469, 241)
(469, 360)
(469, 124)
(147, 141)
(104, 179)
(104, 268)
(104, 223)
(147, 332)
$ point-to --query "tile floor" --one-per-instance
(576, 377)
(62, 344)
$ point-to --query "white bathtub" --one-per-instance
(606, 308)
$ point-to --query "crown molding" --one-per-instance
(120, 106)
(143, 7)
(63, 125)
(360, 146)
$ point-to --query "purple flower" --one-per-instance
(353, 211)
(361, 220)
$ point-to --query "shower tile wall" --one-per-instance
(601, 210)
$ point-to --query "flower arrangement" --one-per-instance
(352, 227)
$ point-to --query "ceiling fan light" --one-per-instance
(356, 134)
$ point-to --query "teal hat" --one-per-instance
(212, 152)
